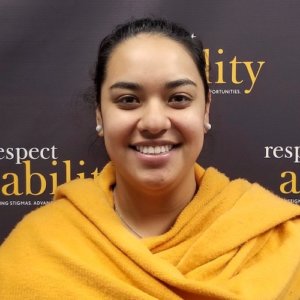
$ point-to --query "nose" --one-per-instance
(154, 118)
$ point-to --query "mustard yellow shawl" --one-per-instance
(235, 240)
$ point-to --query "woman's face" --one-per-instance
(153, 112)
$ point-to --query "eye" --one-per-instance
(179, 101)
(128, 102)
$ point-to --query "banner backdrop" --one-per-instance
(48, 51)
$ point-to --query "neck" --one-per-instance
(152, 212)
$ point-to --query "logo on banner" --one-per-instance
(231, 76)
(28, 181)
(290, 185)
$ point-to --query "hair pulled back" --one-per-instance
(151, 26)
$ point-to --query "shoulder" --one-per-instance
(247, 193)
(79, 201)
(248, 207)
(61, 211)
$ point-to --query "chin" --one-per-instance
(155, 180)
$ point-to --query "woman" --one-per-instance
(154, 224)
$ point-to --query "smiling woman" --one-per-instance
(160, 128)
(154, 224)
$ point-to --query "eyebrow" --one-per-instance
(135, 86)
(179, 82)
(126, 85)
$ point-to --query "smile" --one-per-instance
(154, 150)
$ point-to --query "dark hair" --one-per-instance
(148, 25)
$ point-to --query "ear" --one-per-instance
(99, 120)
(98, 116)
(206, 112)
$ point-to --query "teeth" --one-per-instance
(154, 149)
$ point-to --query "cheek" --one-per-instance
(195, 134)
(192, 126)
(117, 127)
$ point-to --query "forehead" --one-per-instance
(150, 57)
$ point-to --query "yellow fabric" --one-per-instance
(235, 240)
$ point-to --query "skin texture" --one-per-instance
(152, 95)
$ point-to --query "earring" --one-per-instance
(99, 129)
(207, 126)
